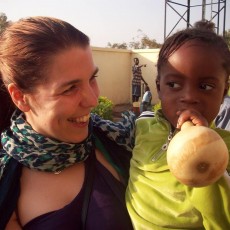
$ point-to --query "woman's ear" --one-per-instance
(18, 97)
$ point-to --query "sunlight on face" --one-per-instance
(60, 108)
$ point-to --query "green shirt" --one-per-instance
(157, 201)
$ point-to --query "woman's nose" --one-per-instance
(90, 96)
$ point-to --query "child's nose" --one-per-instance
(190, 95)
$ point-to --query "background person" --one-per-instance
(146, 100)
(136, 81)
(58, 169)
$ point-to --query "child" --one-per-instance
(193, 71)
(146, 100)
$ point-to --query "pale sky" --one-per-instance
(113, 21)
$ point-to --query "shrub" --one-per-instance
(157, 107)
(104, 108)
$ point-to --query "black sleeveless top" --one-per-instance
(105, 212)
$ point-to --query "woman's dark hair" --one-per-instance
(207, 36)
(26, 49)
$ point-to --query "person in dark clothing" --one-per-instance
(137, 78)
(61, 167)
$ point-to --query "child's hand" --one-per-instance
(191, 115)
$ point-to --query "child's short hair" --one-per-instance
(207, 36)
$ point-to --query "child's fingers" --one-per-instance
(191, 115)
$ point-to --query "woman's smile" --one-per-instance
(82, 119)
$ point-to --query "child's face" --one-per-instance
(194, 79)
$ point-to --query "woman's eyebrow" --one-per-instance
(68, 83)
(76, 80)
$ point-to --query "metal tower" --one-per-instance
(215, 8)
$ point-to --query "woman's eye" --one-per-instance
(206, 87)
(173, 85)
(70, 89)
(93, 78)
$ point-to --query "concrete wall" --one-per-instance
(115, 72)
(149, 73)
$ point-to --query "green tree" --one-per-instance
(117, 45)
(104, 108)
(145, 43)
(3, 22)
(142, 41)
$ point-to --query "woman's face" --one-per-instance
(192, 79)
(61, 107)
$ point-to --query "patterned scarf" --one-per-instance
(36, 151)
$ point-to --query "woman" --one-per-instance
(58, 168)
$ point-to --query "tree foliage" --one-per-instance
(104, 108)
(3, 22)
(118, 45)
(142, 41)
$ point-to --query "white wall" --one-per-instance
(115, 72)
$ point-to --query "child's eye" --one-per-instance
(173, 85)
(206, 87)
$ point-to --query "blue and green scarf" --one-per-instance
(36, 151)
